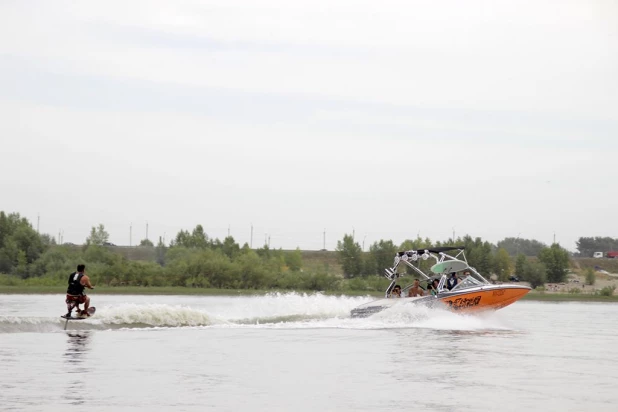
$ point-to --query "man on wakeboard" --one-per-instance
(75, 292)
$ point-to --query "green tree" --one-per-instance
(294, 260)
(200, 238)
(479, 253)
(197, 239)
(160, 252)
(146, 242)
(382, 253)
(369, 264)
(264, 251)
(590, 276)
(586, 246)
(20, 244)
(22, 264)
(502, 264)
(515, 246)
(349, 254)
(415, 244)
(556, 260)
(230, 248)
(535, 273)
(98, 236)
(519, 265)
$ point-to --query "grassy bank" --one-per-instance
(184, 291)
(170, 290)
(568, 297)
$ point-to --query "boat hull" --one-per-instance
(487, 297)
(492, 297)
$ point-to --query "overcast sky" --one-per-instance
(390, 119)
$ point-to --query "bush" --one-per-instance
(356, 284)
(575, 291)
(590, 276)
(8, 280)
(607, 291)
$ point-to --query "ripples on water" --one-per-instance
(304, 352)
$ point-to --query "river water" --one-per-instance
(294, 352)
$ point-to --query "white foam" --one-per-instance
(278, 305)
(276, 310)
(150, 315)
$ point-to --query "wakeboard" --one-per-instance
(91, 311)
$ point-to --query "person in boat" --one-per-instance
(396, 293)
(452, 281)
(415, 290)
(433, 287)
(75, 292)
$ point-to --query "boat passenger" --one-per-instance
(434, 287)
(415, 290)
(396, 293)
(452, 281)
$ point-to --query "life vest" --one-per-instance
(75, 286)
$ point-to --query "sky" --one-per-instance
(308, 120)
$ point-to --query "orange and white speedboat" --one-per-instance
(472, 292)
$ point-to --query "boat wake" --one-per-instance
(276, 311)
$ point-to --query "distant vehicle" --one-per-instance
(514, 279)
(597, 255)
(612, 254)
(108, 244)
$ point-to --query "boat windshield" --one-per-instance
(468, 282)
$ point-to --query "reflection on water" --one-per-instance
(456, 335)
(78, 346)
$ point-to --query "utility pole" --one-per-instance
(554, 237)
(453, 235)
(38, 220)
(324, 247)
(269, 241)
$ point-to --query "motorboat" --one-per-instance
(472, 292)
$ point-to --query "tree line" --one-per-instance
(551, 263)
(193, 259)
(586, 246)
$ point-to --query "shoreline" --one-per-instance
(171, 290)
(184, 291)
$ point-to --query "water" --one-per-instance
(304, 353)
